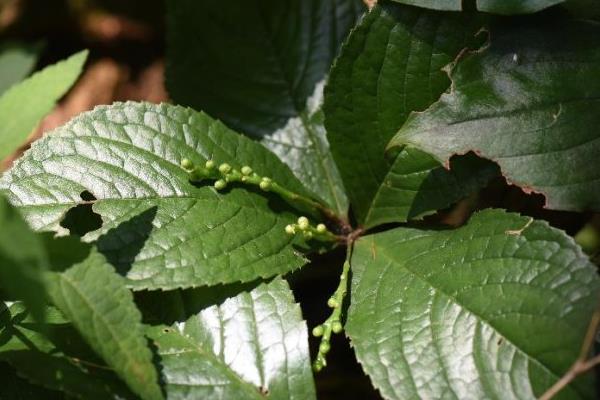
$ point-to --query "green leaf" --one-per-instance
(506, 7)
(252, 346)
(495, 309)
(510, 7)
(23, 259)
(443, 5)
(159, 230)
(53, 355)
(517, 104)
(16, 388)
(24, 105)
(260, 66)
(17, 60)
(94, 298)
(392, 65)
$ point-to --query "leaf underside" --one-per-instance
(495, 309)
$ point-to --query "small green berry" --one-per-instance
(337, 327)
(333, 303)
(224, 168)
(324, 347)
(321, 228)
(186, 163)
(246, 170)
(290, 229)
(318, 331)
(265, 184)
(220, 184)
(210, 164)
(303, 223)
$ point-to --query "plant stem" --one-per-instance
(333, 324)
(199, 173)
(582, 364)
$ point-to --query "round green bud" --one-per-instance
(246, 170)
(308, 234)
(265, 184)
(321, 228)
(290, 229)
(210, 164)
(318, 331)
(324, 347)
(186, 163)
(337, 327)
(303, 223)
(333, 303)
(224, 168)
(317, 366)
(220, 184)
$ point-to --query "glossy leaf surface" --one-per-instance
(94, 298)
(536, 121)
(159, 230)
(262, 73)
(390, 66)
(253, 345)
(495, 309)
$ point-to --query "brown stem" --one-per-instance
(582, 364)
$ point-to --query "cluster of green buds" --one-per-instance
(333, 324)
(318, 232)
(225, 174)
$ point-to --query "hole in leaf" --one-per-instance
(82, 219)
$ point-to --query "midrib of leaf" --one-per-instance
(207, 354)
(257, 350)
(379, 189)
(405, 265)
(63, 278)
(300, 113)
(404, 97)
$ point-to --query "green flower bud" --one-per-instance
(308, 234)
(220, 184)
(265, 184)
(290, 229)
(224, 168)
(321, 228)
(246, 170)
(337, 327)
(318, 331)
(324, 347)
(186, 163)
(303, 223)
(333, 303)
(318, 366)
(210, 164)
